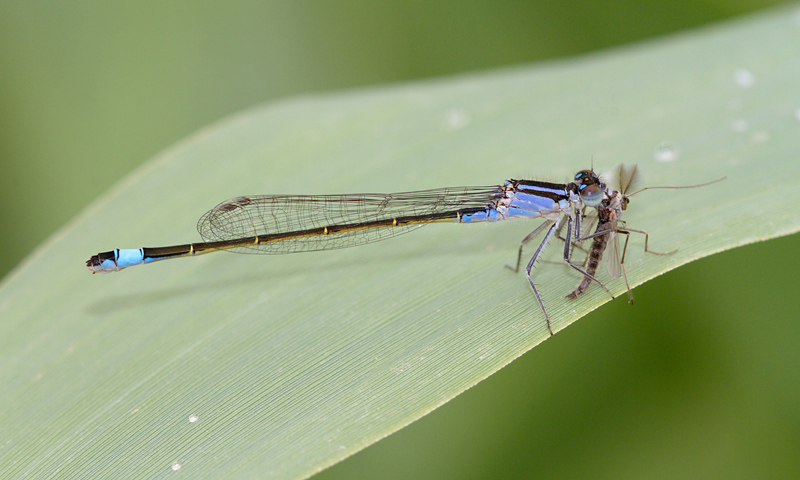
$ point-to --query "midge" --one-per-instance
(278, 224)
(610, 226)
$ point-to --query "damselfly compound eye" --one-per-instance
(591, 195)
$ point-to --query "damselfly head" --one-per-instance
(590, 188)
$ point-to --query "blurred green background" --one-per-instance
(92, 89)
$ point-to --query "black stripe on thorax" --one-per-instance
(553, 191)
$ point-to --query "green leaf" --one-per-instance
(238, 366)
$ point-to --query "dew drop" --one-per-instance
(666, 152)
(740, 126)
(456, 119)
(176, 466)
(761, 136)
(193, 419)
(744, 78)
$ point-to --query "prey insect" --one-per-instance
(610, 226)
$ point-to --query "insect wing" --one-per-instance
(612, 256)
(304, 223)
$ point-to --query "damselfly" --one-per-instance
(278, 224)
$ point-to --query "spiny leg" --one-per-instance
(524, 241)
(577, 243)
(535, 256)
